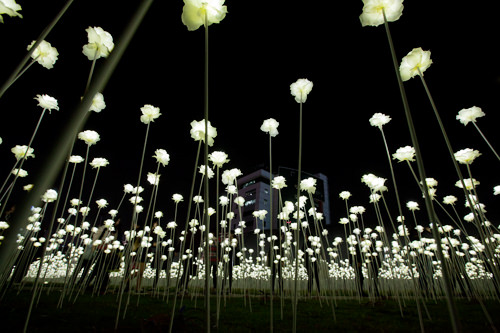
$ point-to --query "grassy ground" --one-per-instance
(97, 314)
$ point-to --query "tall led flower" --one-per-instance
(44, 54)
(162, 156)
(415, 63)
(98, 103)
(466, 116)
(278, 182)
(374, 11)
(149, 113)
(270, 126)
(218, 158)
(100, 43)
(9, 7)
(89, 137)
(467, 155)
(99, 162)
(300, 89)
(406, 153)
(308, 185)
(195, 11)
(198, 131)
(47, 102)
(379, 120)
(49, 196)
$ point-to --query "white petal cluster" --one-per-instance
(44, 54)
(149, 113)
(414, 63)
(467, 155)
(49, 196)
(279, 182)
(195, 11)
(218, 158)
(406, 153)
(162, 156)
(270, 126)
(198, 131)
(22, 151)
(98, 103)
(228, 177)
(89, 137)
(99, 162)
(47, 102)
(300, 89)
(379, 120)
(9, 7)
(100, 43)
(374, 10)
(466, 116)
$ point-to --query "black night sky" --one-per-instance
(256, 52)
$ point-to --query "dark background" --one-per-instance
(256, 52)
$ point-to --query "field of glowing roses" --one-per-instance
(73, 245)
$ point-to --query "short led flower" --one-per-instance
(218, 158)
(379, 120)
(300, 89)
(466, 116)
(22, 152)
(149, 113)
(47, 102)
(198, 131)
(194, 13)
(270, 126)
(89, 137)
(404, 154)
(467, 155)
(374, 10)
(414, 63)
(44, 54)
(9, 7)
(99, 162)
(100, 43)
(98, 103)
(162, 156)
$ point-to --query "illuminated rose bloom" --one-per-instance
(99, 162)
(300, 89)
(22, 152)
(49, 196)
(374, 10)
(76, 159)
(218, 158)
(344, 195)
(89, 137)
(270, 126)
(379, 120)
(195, 11)
(153, 178)
(344, 220)
(466, 116)
(404, 154)
(98, 103)
(279, 182)
(470, 183)
(102, 203)
(100, 43)
(412, 205)
(414, 63)
(203, 170)
(44, 54)
(467, 155)
(9, 7)
(496, 190)
(177, 198)
(240, 201)
(450, 200)
(20, 173)
(198, 131)
(149, 113)
(162, 156)
(47, 102)
(229, 176)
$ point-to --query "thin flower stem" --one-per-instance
(452, 309)
(271, 249)
(486, 140)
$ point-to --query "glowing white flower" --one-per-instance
(270, 126)
(431, 182)
(89, 137)
(21, 152)
(404, 154)
(229, 176)
(450, 200)
(20, 173)
(162, 156)
(99, 162)
(414, 63)
(198, 199)
(153, 178)
(159, 214)
(75, 202)
(357, 209)
(374, 10)
(470, 183)
(379, 120)
(376, 184)
(128, 188)
(203, 170)
(496, 190)
(177, 198)
(3, 225)
(344, 220)
(218, 158)
(47, 102)
(9, 7)
(467, 155)
(75, 159)
(102, 203)
(300, 89)
(28, 187)
(344, 195)
(412, 205)
(240, 201)
(279, 182)
(135, 199)
(198, 131)
(100, 43)
(308, 185)
(149, 113)
(98, 103)
(466, 116)
(195, 11)
(44, 54)
(49, 196)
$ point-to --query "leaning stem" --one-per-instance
(486, 140)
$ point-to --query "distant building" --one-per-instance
(255, 189)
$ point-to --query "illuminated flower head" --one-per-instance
(198, 131)
(344, 195)
(414, 63)
(162, 156)
(47, 103)
(49, 196)
(218, 158)
(450, 200)
(374, 10)
(98, 103)
(300, 89)
(229, 176)
(279, 182)
(100, 43)
(177, 198)
(153, 178)
(466, 116)
(89, 137)
(149, 113)
(75, 159)
(44, 54)
(102, 203)
(22, 152)
(99, 162)
(379, 120)
(207, 169)
(467, 155)
(9, 7)
(194, 12)
(404, 154)
(270, 126)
